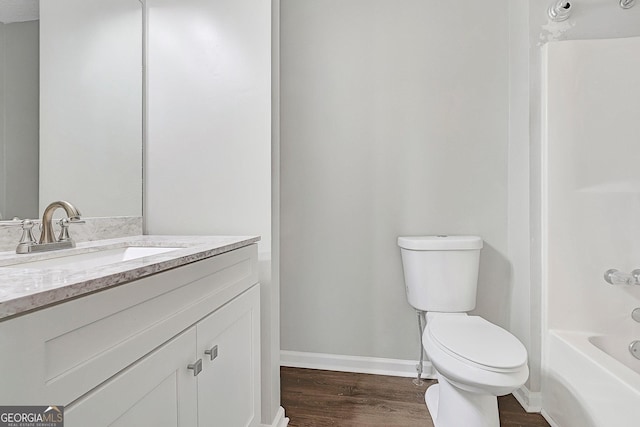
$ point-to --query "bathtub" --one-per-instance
(618, 348)
(590, 380)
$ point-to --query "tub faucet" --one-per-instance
(617, 277)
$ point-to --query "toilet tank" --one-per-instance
(441, 272)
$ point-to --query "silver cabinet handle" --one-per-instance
(196, 367)
(212, 352)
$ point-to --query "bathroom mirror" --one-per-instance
(72, 106)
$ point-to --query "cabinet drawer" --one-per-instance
(59, 353)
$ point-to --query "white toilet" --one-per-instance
(475, 360)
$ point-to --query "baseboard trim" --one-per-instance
(279, 420)
(529, 400)
(550, 420)
(358, 364)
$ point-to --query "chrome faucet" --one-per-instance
(46, 236)
(47, 241)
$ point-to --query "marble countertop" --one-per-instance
(24, 289)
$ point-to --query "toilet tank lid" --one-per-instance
(440, 243)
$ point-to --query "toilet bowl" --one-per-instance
(475, 361)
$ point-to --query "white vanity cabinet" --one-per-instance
(120, 356)
(156, 391)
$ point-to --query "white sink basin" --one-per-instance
(98, 258)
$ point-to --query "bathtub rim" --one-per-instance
(579, 341)
(616, 379)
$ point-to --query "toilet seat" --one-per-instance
(477, 342)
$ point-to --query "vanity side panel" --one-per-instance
(60, 353)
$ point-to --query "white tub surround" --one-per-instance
(591, 206)
(170, 339)
(24, 289)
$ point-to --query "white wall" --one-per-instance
(522, 302)
(19, 120)
(208, 150)
(394, 122)
(91, 105)
(271, 401)
(530, 29)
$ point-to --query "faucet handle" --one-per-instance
(25, 224)
(13, 222)
(64, 227)
(27, 240)
(617, 277)
(27, 231)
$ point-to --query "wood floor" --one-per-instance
(327, 398)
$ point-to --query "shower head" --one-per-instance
(559, 11)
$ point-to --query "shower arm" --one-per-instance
(559, 11)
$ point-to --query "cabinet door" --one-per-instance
(156, 391)
(229, 384)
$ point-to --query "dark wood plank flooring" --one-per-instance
(327, 398)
